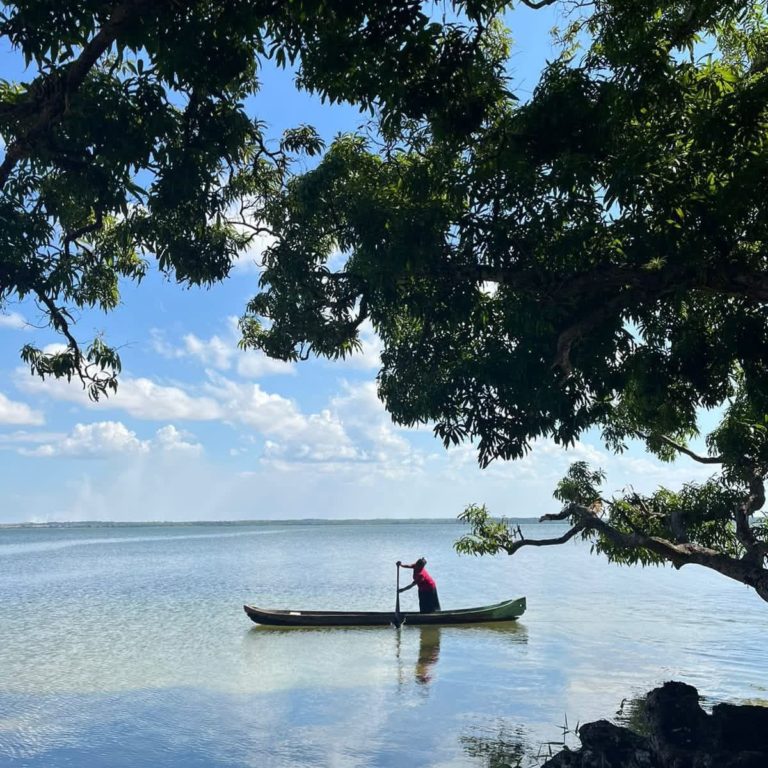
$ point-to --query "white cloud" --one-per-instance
(103, 439)
(378, 473)
(354, 431)
(359, 406)
(221, 353)
(169, 438)
(23, 437)
(97, 440)
(144, 399)
(139, 397)
(370, 426)
(214, 352)
(314, 437)
(253, 365)
(13, 412)
(55, 348)
(645, 473)
(12, 320)
(162, 346)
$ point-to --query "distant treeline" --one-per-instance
(233, 523)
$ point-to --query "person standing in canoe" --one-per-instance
(428, 599)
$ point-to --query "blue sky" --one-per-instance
(202, 431)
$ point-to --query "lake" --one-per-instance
(128, 646)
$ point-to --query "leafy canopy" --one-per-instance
(592, 257)
(131, 140)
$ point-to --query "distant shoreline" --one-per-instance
(235, 523)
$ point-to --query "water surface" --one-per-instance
(127, 646)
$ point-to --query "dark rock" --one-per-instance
(677, 724)
(742, 728)
(615, 747)
(733, 760)
(680, 735)
(565, 759)
(605, 745)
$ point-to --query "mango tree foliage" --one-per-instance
(129, 137)
(593, 257)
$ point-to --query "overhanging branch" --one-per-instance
(613, 288)
(606, 280)
(746, 570)
(60, 324)
(567, 536)
(682, 449)
(92, 382)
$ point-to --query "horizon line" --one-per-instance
(260, 521)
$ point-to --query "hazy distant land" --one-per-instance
(294, 521)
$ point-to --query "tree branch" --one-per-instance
(60, 324)
(755, 550)
(59, 86)
(682, 449)
(86, 229)
(579, 329)
(608, 279)
(536, 4)
(613, 288)
(512, 548)
(747, 570)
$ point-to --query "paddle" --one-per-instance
(398, 618)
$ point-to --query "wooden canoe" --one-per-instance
(505, 611)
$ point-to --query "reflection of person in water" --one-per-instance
(428, 599)
(429, 650)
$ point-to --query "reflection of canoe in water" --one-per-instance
(506, 611)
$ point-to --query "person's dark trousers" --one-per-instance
(429, 601)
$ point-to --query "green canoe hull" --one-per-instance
(508, 610)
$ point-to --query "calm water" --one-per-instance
(129, 647)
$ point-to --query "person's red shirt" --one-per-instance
(424, 581)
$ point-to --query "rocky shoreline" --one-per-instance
(678, 734)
